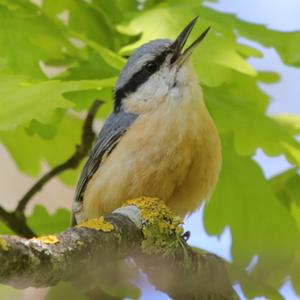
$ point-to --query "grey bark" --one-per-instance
(184, 274)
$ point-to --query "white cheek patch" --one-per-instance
(166, 85)
(155, 86)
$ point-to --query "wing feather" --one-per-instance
(114, 128)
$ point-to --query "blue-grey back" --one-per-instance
(114, 127)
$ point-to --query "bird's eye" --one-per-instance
(151, 67)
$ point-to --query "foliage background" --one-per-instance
(82, 44)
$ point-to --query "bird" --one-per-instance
(159, 141)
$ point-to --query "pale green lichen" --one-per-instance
(98, 224)
(162, 228)
(3, 244)
(79, 243)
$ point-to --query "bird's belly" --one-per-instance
(173, 161)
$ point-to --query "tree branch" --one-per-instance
(16, 220)
(16, 223)
(87, 138)
(180, 271)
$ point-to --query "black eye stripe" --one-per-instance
(139, 78)
(151, 67)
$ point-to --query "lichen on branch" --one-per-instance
(98, 224)
(144, 229)
(162, 228)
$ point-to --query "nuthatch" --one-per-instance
(159, 141)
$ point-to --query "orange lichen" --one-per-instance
(161, 227)
(47, 239)
(98, 224)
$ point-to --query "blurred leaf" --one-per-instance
(295, 211)
(290, 122)
(27, 37)
(37, 149)
(43, 223)
(252, 287)
(122, 290)
(111, 58)
(116, 10)
(286, 186)
(81, 18)
(5, 230)
(83, 99)
(295, 274)
(279, 185)
(22, 100)
(251, 128)
(248, 51)
(9, 293)
(65, 290)
(91, 66)
(286, 43)
(268, 77)
(259, 223)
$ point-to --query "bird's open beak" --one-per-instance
(180, 57)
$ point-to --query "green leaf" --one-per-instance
(259, 223)
(248, 51)
(286, 186)
(22, 100)
(252, 287)
(36, 149)
(86, 20)
(110, 57)
(285, 43)
(117, 10)
(9, 293)
(5, 230)
(295, 275)
(65, 290)
(268, 77)
(289, 121)
(90, 66)
(278, 184)
(84, 99)
(124, 289)
(250, 126)
(42, 223)
(295, 211)
(27, 37)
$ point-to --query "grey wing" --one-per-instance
(113, 129)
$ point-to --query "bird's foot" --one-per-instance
(186, 236)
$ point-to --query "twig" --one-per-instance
(16, 220)
(81, 151)
(16, 223)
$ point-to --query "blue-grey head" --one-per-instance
(154, 66)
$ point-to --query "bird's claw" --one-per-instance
(186, 236)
